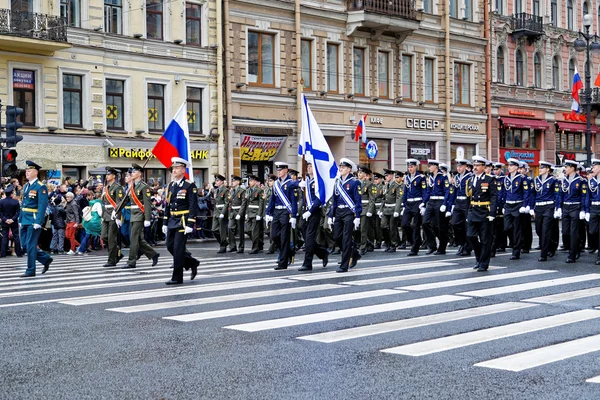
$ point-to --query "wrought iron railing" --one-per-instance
(33, 25)
(397, 8)
(595, 96)
(527, 22)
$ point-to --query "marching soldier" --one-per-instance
(253, 208)
(482, 210)
(235, 198)
(368, 207)
(573, 208)
(435, 220)
(593, 205)
(415, 189)
(390, 210)
(399, 177)
(141, 214)
(516, 189)
(268, 193)
(499, 244)
(282, 211)
(33, 210)
(545, 199)
(10, 209)
(111, 221)
(346, 208)
(296, 233)
(180, 216)
(526, 218)
(460, 208)
(312, 216)
(219, 227)
(378, 188)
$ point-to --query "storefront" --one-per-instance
(422, 151)
(376, 154)
(571, 137)
(259, 147)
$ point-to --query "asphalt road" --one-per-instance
(394, 327)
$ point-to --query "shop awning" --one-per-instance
(525, 123)
(575, 127)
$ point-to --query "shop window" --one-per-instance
(572, 141)
(114, 104)
(156, 107)
(25, 6)
(155, 176)
(359, 71)
(461, 150)
(383, 74)
(154, 19)
(407, 77)
(332, 67)
(306, 51)
(194, 110)
(383, 158)
(24, 94)
(75, 173)
(193, 23)
(261, 54)
(113, 16)
(69, 10)
(422, 151)
(518, 138)
(72, 96)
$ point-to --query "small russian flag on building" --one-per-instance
(577, 86)
(175, 142)
(361, 130)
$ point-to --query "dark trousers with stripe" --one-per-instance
(280, 234)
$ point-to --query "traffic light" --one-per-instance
(9, 162)
(12, 125)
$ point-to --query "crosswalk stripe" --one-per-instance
(489, 334)
(423, 275)
(557, 298)
(595, 379)
(403, 324)
(150, 294)
(544, 355)
(222, 299)
(346, 313)
(531, 285)
(229, 312)
(478, 279)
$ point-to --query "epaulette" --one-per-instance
(188, 181)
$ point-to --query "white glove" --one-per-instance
(356, 223)
(582, 215)
(237, 217)
(306, 215)
(118, 222)
(165, 229)
(396, 215)
(293, 223)
(402, 212)
(527, 209)
(268, 218)
(258, 217)
(523, 210)
(330, 222)
(187, 230)
(379, 214)
(443, 208)
(221, 216)
(20, 225)
(422, 206)
(113, 215)
(452, 209)
(490, 219)
(587, 217)
(558, 213)
(369, 214)
(422, 210)
(36, 226)
(147, 224)
(503, 211)
(448, 214)
(302, 184)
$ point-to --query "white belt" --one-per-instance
(342, 206)
(236, 207)
(596, 203)
(437, 197)
(571, 203)
(390, 205)
(135, 207)
(281, 207)
(545, 203)
(252, 206)
(365, 201)
(415, 199)
(377, 204)
(514, 202)
(220, 205)
(461, 197)
(108, 206)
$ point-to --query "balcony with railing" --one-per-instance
(595, 99)
(32, 33)
(390, 17)
(528, 25)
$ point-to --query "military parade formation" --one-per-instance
(482, 208)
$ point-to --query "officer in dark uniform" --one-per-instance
(346, 208)
(482, 211)
(268, 191)
(281, 213)
(573, 208)
(526, 218)
(253, 208)
(31, 218)
(499, 244)
(460, 208)
(593, 205)
(516, 189)
(435, 221)
(111, 221)
(9, 217)
(312, 216)
(415, 189)
(180, 216)
(546, 197)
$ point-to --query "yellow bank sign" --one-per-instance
(142, 154)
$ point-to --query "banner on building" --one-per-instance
(260, 148)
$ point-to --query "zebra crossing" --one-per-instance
(444, 305)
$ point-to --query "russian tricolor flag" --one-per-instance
(361, 130)
(175, 142)
(577, 86)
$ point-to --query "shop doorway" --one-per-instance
(260, 169)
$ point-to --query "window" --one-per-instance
(571, 71)
(585, 8)
(572, 141)
(114, 104)
(383, 73)
(69, 10)
(517, 138)
(72, 100)
(194, 110)
(156, 107)
(519, 68)
(113, 16)
(24, 94)
(428, 6)
(422, 151)
(429, 80)
(468, 10)
(500, 65)
(536, 7)
(260, 59)
(500, 6)
(154, 19)
(537, 70)
(462, 80)
(454, 8)
(193, 17)
(306, 54)
(332, 67)
(570, 14)
(518, 6)
(407, 74)
(21, 6)
(358, 56)
(383, 158)
(554, 12)
(555, 73)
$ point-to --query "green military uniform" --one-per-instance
(236, 197)
(219, 226)
(368, 207)
(254, 208)
(378, 188)
(392, 203)
(111, 197)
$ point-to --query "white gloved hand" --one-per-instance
(330, 222)
(396, 215)
(522, 210)
(369, 214)
(113, 215)
(402, 212)
(164, 229)
(237, 217)
(587, 217)
(302, 184)
(452, 209)
(356, 223)
(422, 206)
(503, 211)
(20, 225)
(147, 224)
(443, 208)
(268, 218)
(293, 223)
(527, 209)
(422, 211)
(258, 217)
(221, 216)
(187, 230)
(36, 226)
(559, 213)
(582, 215)
(490, 219)
(306, 215)
(532, 213)
(118, 222)
(380, 214)
(448, 214)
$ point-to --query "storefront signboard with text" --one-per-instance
(260, 148)
(531, 157)
(142, 154)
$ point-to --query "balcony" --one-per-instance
(527, 25)
(595, 99)
(383, 17)
(32, 33)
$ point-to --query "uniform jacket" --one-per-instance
(593, 193)
(350, 185)
(9, 209)
(574, 190)
(221, 201)
(367, 196)
(254, 203)
(546, 190)
(287, 187)
(181, 204)
(314, 199)
(115, 192)
(415, 187)
(516, 188)
(482, 190)
(392, 198)
(438, 189)
(459, 195)
(235, 198)
(35, 202)
(142, 192)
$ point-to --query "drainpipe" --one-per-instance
(299, 80)
(219, 55)
(487, 34)
(447, 68)
(229, 107)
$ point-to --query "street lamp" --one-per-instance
(583, 44)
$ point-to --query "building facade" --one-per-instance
(99, 81)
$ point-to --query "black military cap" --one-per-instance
(293, 172)
(111, 170)
(136, 167)
(377, 175)
(254, 177)
(388, 171)
(365, 169)
(32, 165)
(272, 177)
(236, 178)
(219, 177)
(399, 174)
(9, 189)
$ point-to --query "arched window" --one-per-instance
(500, 65)
(519, 68)
(537, 70)
(571, 72)
(570, 15)
(556, 73)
